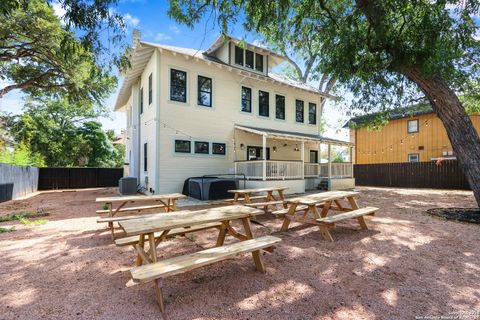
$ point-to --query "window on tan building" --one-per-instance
(412, 126)
(413, 157)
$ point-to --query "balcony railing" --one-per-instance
(288, 170)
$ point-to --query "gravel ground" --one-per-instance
(407, 265)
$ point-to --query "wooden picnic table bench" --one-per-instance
(327, 201)
(165, 201)
(245, 196)
(154, 230)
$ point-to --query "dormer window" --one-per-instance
(248, 59)
(238, 56)
(258, 62)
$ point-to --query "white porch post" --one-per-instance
(302, 151)
(329, 165)
(264, 164)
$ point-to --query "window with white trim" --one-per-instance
(412, 126)
(413, 157)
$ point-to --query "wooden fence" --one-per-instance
(445, 175)
(76, 178)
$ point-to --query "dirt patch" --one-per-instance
(407, 265)
(471, 215)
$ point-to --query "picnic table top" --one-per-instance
(258, 190)
(141, 197)
(180, 219)
(321, 197)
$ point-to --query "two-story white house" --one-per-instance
(223, 110)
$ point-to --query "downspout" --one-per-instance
(157, 123)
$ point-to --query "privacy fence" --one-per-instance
(444, 175)
(76, 178)
(16, 181)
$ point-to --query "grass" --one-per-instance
(27, 222)
(4, 230)
(23, 217)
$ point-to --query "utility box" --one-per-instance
(127, 185)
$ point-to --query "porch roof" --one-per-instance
(288, 135)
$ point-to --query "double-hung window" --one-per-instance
(204, 91)
(178, 85)
(141, 100)
(299, 111)
(150, 89)
(246, 99)
(312, 113)
(412, 126)
(280, 107)
(145, 153)
(263, 103)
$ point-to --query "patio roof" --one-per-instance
(289, 135)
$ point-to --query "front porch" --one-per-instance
(292, 159)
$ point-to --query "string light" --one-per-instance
(401, 141)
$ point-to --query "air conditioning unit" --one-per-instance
(127, 185)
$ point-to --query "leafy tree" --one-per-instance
(41, 57)
(64, 134)
(386, 52)
(101, 151)
(21, 156)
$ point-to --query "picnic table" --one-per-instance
(166, 201)
(328, 201)
(150, 269)
(246, 195)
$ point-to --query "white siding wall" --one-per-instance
(216, 124)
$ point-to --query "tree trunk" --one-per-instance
(461, 132)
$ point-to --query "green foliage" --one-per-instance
(338, 158)
(16, 216)
(369, 46)
(4, 230)
(41, 57)
(64, 134)
(21, 156)
(27, 222)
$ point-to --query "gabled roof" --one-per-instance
(144, 51)
(290, 135)
(392, 114)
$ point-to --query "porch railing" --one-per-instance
(287, 170)
(275, 170)
(339, 170)
(311, 170)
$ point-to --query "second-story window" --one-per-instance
(178, 85)
(204, 91)
(238, 55)
(412, 126)
(150, 89)
(141, 100)
(249, 59)
(280, 107)
(258, 62)
(263, 103)
(246, 99)
(312, 113)
(299, 111)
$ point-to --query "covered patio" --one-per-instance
(291, 156)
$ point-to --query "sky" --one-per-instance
(151, 18)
